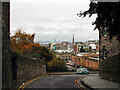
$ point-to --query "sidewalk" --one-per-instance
(96, 83)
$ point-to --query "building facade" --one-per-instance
(66, 56)
(86, 60)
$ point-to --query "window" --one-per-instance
(90, 48)
(104, 52)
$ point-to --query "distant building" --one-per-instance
(91, 41)
(70, 47)
(79, 43)
(63, 54)
(92, 48)
(65, 43)
(97, 46)
(73, 41)
(61, 46)
(75, 48)
(46, 45)
(88, 60)
(53, 46)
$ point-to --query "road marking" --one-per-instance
(24, 85)
(77, 83)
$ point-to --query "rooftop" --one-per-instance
(63, 51)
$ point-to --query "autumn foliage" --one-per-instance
(22, 41)
(23, 44)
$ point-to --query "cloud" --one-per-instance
(52, 18)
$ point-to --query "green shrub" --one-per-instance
(57, 66)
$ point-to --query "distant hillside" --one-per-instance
(46, 42)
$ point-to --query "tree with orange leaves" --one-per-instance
(21, 40)
(23, 43)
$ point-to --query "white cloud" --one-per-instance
(51, 18)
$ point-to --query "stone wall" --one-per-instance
(110, 68)
(109, 56)
(112, 46)
(6, 62)
(25, 68)
(0, 46)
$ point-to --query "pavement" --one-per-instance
(56, 81)
(69, 73)
(96, 83)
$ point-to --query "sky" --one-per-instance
(52, 19)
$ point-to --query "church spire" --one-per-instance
(73, 39)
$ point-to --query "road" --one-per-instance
(58, 81)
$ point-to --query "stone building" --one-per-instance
(65, 43)
(92, 48)
(109, 54)
(61, 46)
(109, 46)
(75, 48)
(64, 54)
(86, 60)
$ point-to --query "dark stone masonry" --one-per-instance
(6, 62)
(109, 55)
(25, 68)
(16, 69)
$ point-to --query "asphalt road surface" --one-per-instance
(59, 81)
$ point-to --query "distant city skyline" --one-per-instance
(50, 19)
(47, 42)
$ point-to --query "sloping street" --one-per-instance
(59, 81)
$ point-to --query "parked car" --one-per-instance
(89, 69)
(82, 71)
(79, 66)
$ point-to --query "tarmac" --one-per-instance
(69, 73)
(96, 83)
